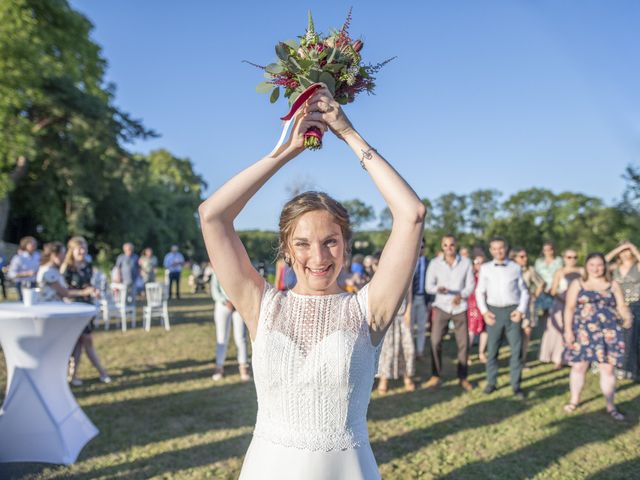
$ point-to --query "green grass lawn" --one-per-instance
(163, 417)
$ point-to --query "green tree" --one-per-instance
(484, 205)
(60, 134)
(359, 212)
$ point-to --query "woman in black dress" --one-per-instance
(77, 272)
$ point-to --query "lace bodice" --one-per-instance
(313, 365)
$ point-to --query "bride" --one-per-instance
(315, 347)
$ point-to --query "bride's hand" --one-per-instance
(302, 122)
(323, 107)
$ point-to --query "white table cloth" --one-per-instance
(40, 420)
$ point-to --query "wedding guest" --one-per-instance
(594, 307)
(397, 357)
(419, 305)
(450, 279)
(173, 262)
(3, 262)
(535, 286)
(368, 264)
(285, 278)
(78, 274)
(628, 277)
(225, 316)
(148, 264)
(552, 344)
(474, 316)
(464, 252)
(503, 299)
(128, 271)
(23, 266)
(546, 266)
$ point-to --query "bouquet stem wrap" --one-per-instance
(313, 136)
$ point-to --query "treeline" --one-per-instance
(65, 168)
(526, 219)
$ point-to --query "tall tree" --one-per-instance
(60, 134)
(359, 212)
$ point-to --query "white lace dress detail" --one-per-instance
(313, 365)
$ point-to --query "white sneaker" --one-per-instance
(76, 382)
(216, 377)
(105, 379)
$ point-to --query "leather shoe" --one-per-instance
(489, 389)
(466, 385)
(519, 393)
(433, 382)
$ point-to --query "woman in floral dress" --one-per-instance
(397, 357)
(594, 307)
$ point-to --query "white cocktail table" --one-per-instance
(40, 420)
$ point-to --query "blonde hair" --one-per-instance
(73, 243)
(310, 202)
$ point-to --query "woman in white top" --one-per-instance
(315, 347)
(552, 344)
(53, 287)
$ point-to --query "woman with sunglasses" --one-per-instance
(552, 343)
(535, 284)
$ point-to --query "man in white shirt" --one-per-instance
(502, 298)
(450, 279)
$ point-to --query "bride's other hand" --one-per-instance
(323, 107)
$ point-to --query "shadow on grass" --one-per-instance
(167, 463)
(574, 431)
(476, 415)
(619, 471)
(164, 464)
(138, 422)
(149, 376)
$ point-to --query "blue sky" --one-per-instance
(493, 94)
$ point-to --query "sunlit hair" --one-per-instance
(73, 243)
(24, 241)
(585, 275)
(514, 252)
(49, 250)
(310, 202)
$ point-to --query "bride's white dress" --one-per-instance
(313, 364)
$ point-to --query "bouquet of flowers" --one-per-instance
(334, 60)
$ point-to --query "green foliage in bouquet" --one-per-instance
(334, 60)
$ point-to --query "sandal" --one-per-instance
(616, 415)
(409, 385)
(570, 407)
(383, 386)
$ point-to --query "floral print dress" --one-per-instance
(597, 330)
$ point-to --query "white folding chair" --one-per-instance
(114, 305)
(156, 305)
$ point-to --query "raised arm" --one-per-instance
(229, 259)
(398, 259)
